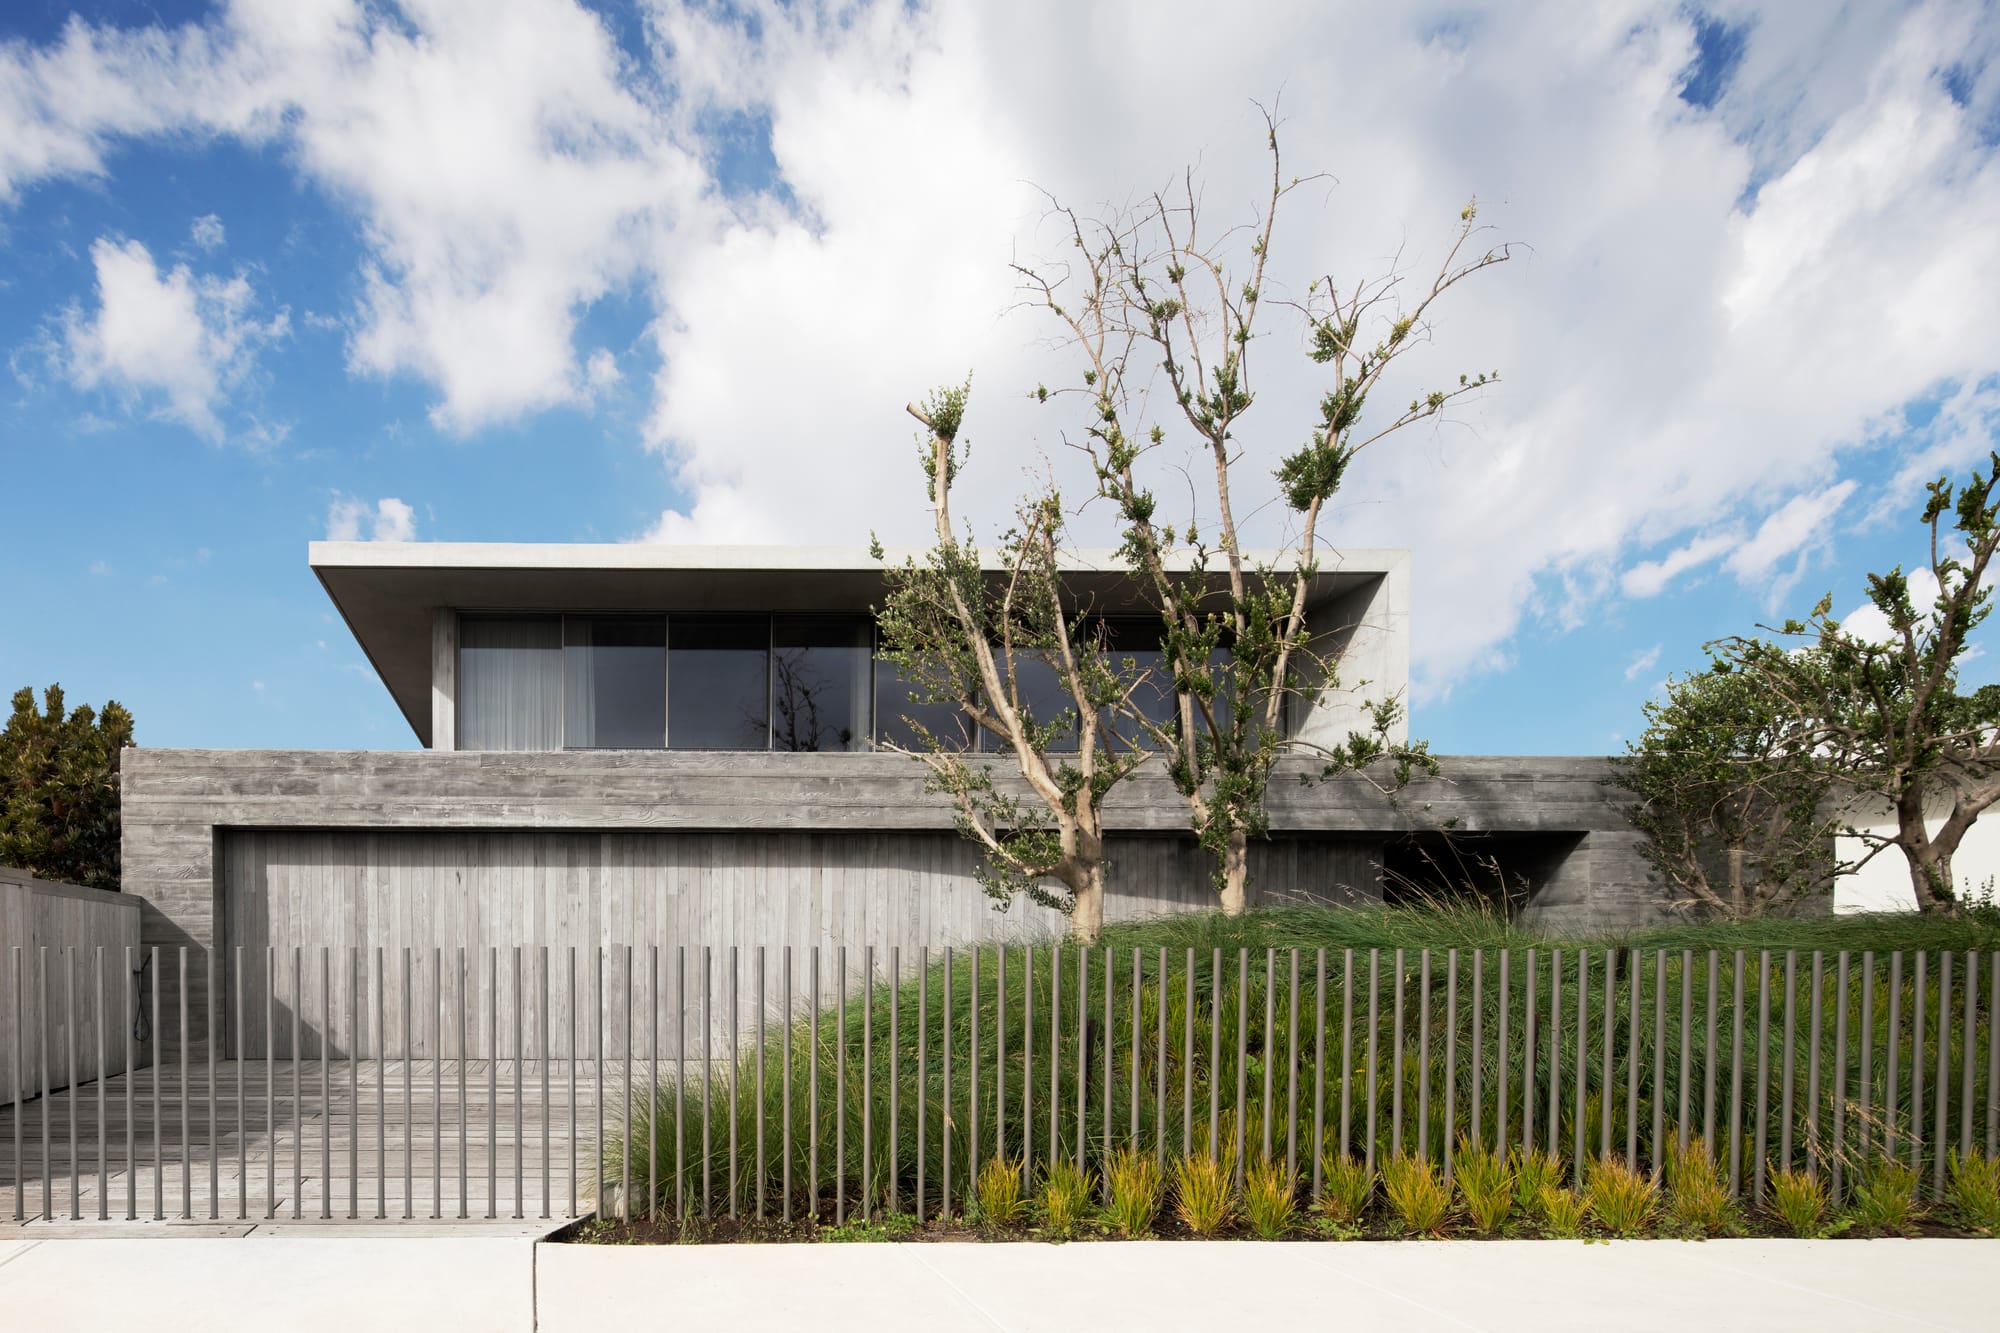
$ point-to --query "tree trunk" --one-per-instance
(1930, 876)
(1086, 919)
(1236, 875)
(1736, 881)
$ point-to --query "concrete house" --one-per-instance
(634, 744)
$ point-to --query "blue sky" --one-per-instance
(606, 274)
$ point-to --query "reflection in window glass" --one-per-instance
(1139, 640)
(614, 682)
(820, 682)
(718, 683)
(1044, 696)
(510, 683)
(895, 710)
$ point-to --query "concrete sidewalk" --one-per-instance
(439, 1285)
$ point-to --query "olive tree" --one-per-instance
(1004, 654)
(1148, 296)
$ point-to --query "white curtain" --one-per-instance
(510, 684)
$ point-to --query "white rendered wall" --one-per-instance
(1883, 885)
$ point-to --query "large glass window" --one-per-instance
(718, 683)
(820, 683)
(614, 682)
(510, 683)
(1139, 640)
(1044, 695)
(896, 709)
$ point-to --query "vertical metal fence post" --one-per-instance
(922, 1109)
(1478, 1041)
(1787, 1063)
(382, 1088)
(45, 1081)
(1917, 1067)
(1055, 1054)
(1709, 1058)
(784, 1109)
(1866, 1112)
(1814, 1030)
(1993, 1055)
(945, 1121)
(735, 1066)
(1319, 1071)
(1736, 1079)
(187, 1149)
(680, 1085)
(1970, 1049)
(1530, 1043)
(625, 1138)
(570, 1012)
(1890, 1084)
(103, 1069)
(1108, 1036)
(1346, 1050)
(1372, 1068)
(1160, 1066)
(16, 1114)
(1578, 1127)
(1502, 1055)
(541, 1028)
(1763, 1073)
(1423, 1054)
(1555, 1052)
(895, 1063)
(707, 1082)
(840, 1086)
(1606, 1095)
(76, 1087)
(1082, 1049)
(464, 1102)
(1941, 1133)
(131, 1078)
(1659, 1058)
(1214, 1056)
(1448, 1147)
(1837, 1156)
(867, 1078)
(1687, 1049)
(1291, 1064)
(1633, 1058)
(1396, 1061)
(1187, 1058)
(763, 1012)
(1270, 1043)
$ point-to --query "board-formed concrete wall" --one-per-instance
(866, 814)
(64, 957)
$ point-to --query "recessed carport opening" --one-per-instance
(1500, 871)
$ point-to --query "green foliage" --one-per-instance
(1697, 1194)
(871, 1230)
(1534, 1174)
(1732, 821)
(1485, 1184)
(1623, 1200)
(1065, 1197)
(998, 1190)
(1416, 1194)
(1270, 1199)
(1133, 1176)
(1884, 717)
(1974, 1192)
(1885, 1199)
(1563, 1212)
(1799, 1200)
(1203, 1195)
(59, 789)
(1349, 1187)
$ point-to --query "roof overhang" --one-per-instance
(387, 592)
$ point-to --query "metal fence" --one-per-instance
(782, 1083)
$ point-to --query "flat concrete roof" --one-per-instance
(387, 591)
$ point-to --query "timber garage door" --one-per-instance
(331, 899)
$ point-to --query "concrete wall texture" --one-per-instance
(308, 848)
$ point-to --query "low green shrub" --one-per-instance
(1203, 1194)
(1270, 1199)
(1885, 1199)
(999, 1193)
(1134, 1180)
(1417, 1194)
(1563, 1212)
(1349, 1188)
(1485, 1184)
(1621, 1198)
(1066, 1191)
(1799, 1200)
(871, 1230)
(1974, 1192)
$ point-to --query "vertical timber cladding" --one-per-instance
(440, 892)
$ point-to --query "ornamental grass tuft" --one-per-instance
(1485, 1184)
(1133, 1177)
(1416, 1194)
(1799, 1200)
(1066, 1191)
(1622, 1199)
(1697, 1195)
(1270, 1199)
(999, 1192)
(1974, 1191)
(1535, 1173)
(1349, 1188)
(1885, 1200)
(1563, 1212)
(1203, 1194)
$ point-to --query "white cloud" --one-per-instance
(601, 371)
(349, 517)
(1649, 578)
(1722, 307)
(1643, 662)
(1795, 531)
(172, 340)
(207, 231)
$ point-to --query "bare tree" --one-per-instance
(1015, 663)
(1149, 295)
